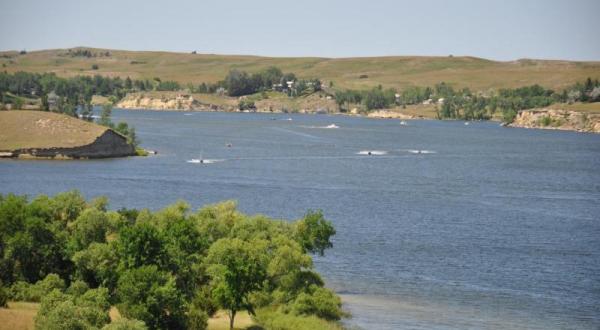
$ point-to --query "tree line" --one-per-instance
(169, 269)
(464, 104)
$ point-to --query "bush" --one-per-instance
(545, 121)
(270, 319)
(95, 67)
(125, 324)
(322, 303)
(23, 291)
(3, 296)
(246, 104)
(62, 311)
(197, 319)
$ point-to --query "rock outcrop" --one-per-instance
(40, 134)
(167, 102)
(109, 144)
(558, 119)
(389, 114)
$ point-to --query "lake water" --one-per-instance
(488, 228)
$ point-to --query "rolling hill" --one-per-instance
(356, 73)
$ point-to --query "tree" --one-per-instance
(237, 268)
(141, 244)
(59, 311)
(150, 295)
(105, 115)
(313, 232)
(91, 226)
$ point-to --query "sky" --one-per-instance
(500, 30)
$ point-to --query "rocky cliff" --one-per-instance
(167, 102)
(40, 134)
(558, 119)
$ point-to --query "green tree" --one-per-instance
(150, 295)
(313, 232)
(237, 268)
(105, 115)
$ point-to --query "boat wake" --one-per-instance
(205, 161)
(372, 152)
(417, 151)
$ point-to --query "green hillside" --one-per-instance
(355, 73)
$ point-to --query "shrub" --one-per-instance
(23, 291)
(545, 121)
(322, 303)
(95, 67)
(271, 319)
(197, 319)
(62, 311)
(3, 296)
(125, 324)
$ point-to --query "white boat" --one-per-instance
(403, 123)
(332, 126)
(466, 123)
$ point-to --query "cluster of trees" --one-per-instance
(588, 91)
(75, 94)
(376, 98)
(86, 53)
(240, 83)
(463, 104)
(169, 269)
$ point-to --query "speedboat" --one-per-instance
(332, 126)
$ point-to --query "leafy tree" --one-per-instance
(313, 232)
(237, 268)
(97, 265)
(150, 295)
(90, 227)
(105, 115)
(141, 244)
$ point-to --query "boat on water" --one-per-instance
(403, 123)
(332, 126)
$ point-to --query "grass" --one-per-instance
(220, 321)
(20, 316)
(592, 108)
(41, 129)
(390, 71)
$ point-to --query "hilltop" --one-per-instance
(355, 73)
(51, 135)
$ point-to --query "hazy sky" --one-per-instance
(503, 30)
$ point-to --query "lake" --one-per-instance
(450, 226)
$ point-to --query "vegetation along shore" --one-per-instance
(466, 88)
(74, 264)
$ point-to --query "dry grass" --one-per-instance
(18, 316)
(40, 129)
(580, 107)
(221, 321)
(393, 71)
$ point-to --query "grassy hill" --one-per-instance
(21, 129)
(396, 71)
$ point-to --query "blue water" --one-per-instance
(493, 228)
